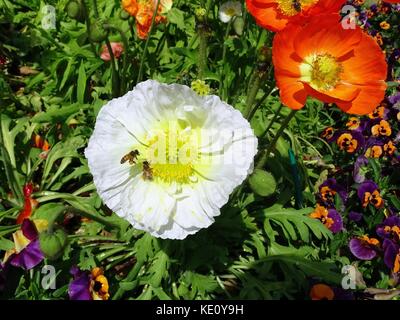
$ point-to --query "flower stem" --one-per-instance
(153, 19)
(202, 52)
(125, 61)
(258, 105)
(115, 75)
(87, 20)
(266, 152)
(271, 123)
(252, 93)
(96, 11)
(221, 89)
(97, 218)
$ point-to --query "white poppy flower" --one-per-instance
(167, 159)
(230, 9)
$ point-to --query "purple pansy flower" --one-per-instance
(355, 216)
(27, 253)
(360, 169)
(394, 99)
(350, 141)
(79, 288)
(88, 285)
(368, 193)
(337, 225)
(363, 248)
(355, 124)
(397, 138)
(330, 218)
(374, 148)
(328, 189)
(390, 228)
(392, 255)
(329, 134)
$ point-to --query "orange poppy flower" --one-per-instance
(325, 61)
(274, 15)
(143, 11)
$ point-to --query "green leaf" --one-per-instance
(57, 114)
(295, 222)
(176, 16)
(67, 73)
(81, 83)
(128, 285)
(158, 268)
(6, 244)
(48, 211)
(67, 148)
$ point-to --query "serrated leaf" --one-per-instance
(293, 222)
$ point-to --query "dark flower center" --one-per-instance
(97, 286)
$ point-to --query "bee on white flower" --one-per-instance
(166, 159)
(229, 10)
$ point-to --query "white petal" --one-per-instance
(147, 205)
(190, 213)
(225, 18)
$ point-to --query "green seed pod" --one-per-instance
(53, 243)
(74, 10)
(97, 31)
(262, 183)
(238, 25)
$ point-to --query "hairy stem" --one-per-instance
(266, 152)
(153, 19)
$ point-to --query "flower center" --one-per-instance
(171, 155)
(293, 7)
(321, 71)
(231, 12)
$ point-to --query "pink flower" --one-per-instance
(117, 49)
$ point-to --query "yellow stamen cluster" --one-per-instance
(321, 71)
(200, 87)
(171, 156)
(293, 7)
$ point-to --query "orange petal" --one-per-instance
(368, 99)
(292, 93)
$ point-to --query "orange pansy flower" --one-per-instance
(335, 65)
(381, 129)
(274, 15)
